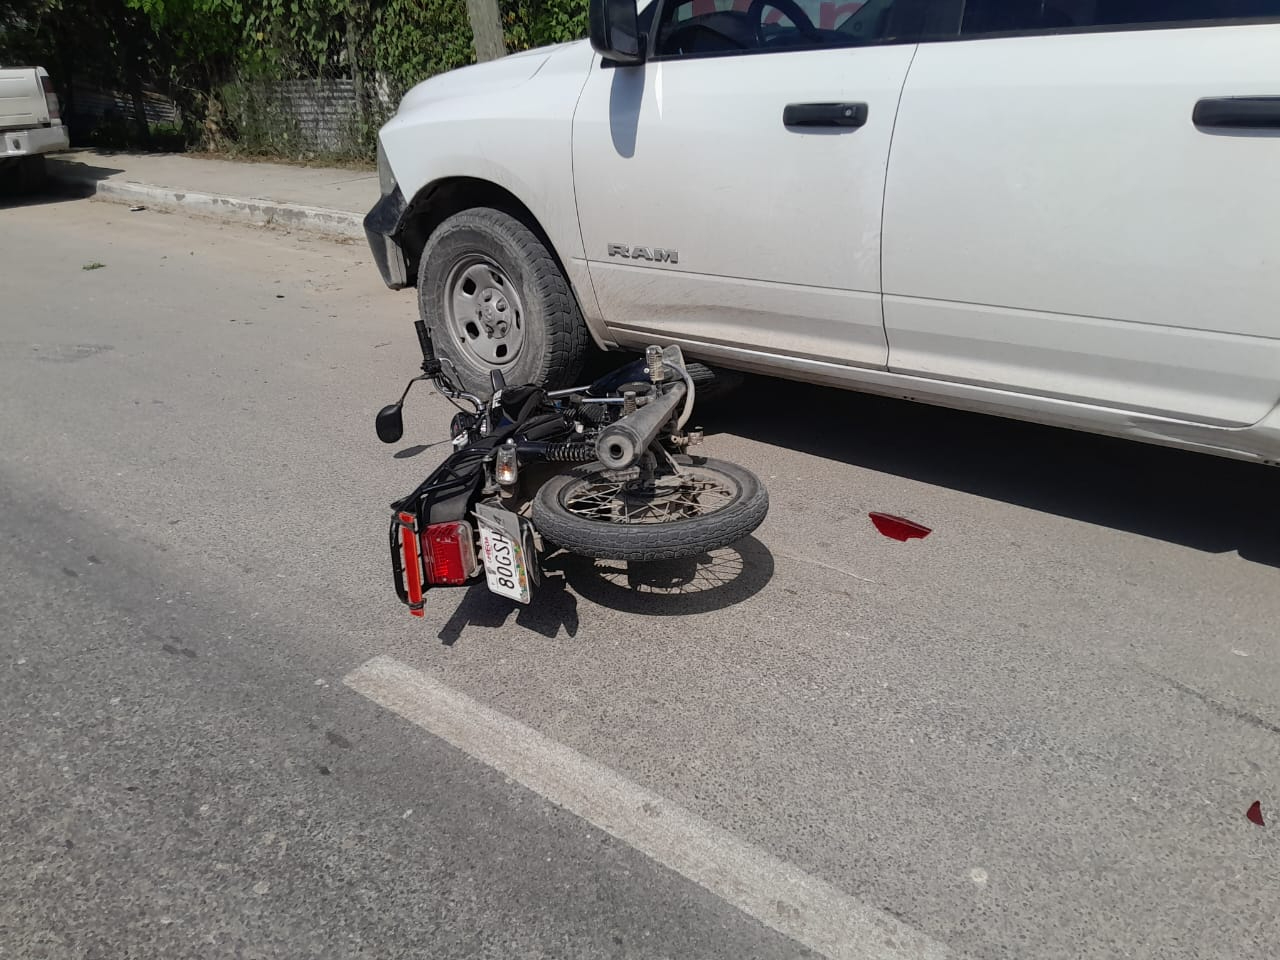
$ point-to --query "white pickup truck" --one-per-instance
(1065, 211)
(30, 121)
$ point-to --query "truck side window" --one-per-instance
(1048, 16)
(699, 28)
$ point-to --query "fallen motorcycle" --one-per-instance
(603, 470)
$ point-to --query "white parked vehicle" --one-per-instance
(1065, 211)
(30, 121)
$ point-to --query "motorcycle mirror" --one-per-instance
(389, 423)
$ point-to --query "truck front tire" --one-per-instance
(494, 298)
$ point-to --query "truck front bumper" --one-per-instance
(25, 143)
(382, 229)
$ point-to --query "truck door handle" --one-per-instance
(824, 115)
(1237, 112)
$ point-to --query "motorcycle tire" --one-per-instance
(560, 516)
(711, 385)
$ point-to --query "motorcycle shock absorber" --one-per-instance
(571, 452)
(559, 452)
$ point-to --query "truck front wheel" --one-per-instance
(494, 298)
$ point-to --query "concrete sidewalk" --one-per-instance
(323, 200)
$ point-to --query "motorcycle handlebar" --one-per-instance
(621, 444)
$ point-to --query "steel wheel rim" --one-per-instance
(692, 494)
(484, 312)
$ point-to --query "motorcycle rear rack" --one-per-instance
(443, 496)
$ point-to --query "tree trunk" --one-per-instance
(65, 81)
(140, 111)
(134, 64)
(357, 81)
(486, 29)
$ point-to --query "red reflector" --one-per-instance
(412, 564)
(449, 552)
(899, 528)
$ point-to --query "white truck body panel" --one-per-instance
(1037, 230)
(508, 122)
(776, 231)
(26, 127)
(1055, 223)
(22, 102)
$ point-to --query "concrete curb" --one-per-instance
(292, 216)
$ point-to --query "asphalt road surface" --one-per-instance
(1034, 733)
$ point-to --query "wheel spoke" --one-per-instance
(478, 277)
(464, 307)
(687, 496)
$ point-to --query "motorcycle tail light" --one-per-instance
(449, 553)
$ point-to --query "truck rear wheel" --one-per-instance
(494, 298)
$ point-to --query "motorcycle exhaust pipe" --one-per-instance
(621, 444)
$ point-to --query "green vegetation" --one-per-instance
(218, 59)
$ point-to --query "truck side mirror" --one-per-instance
(615, 31)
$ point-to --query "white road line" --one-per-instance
(776, 893)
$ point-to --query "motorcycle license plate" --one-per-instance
(506, 566)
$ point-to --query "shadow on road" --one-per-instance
(79, 170)
(667, 588)
(13, 193)
(1195, 500)
(12, 197)
(407, 453)
(671, 588)
(554, 609)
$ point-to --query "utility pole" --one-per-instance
(357, 81)
(486, 28)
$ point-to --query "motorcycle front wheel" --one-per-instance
(707, 505)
